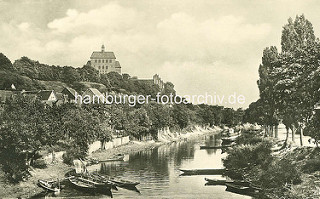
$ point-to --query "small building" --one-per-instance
(4, 95)
(46, 96)
(94, 95)
(104, 62)
(156, 80)
(69, 94)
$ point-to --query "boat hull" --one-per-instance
(48, 185)
(203, 171)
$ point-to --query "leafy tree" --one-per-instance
(180, 115)
(5, 63)
(23, 132)
(297, 34)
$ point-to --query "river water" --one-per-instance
(157, 170)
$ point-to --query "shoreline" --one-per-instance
(29, 188)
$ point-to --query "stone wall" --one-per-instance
(108, 145)
(53, 157)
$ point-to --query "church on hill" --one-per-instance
(104, 61)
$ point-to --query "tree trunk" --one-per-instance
(287, 135)
(292, 133)
(301, 135)
(276, 128)
(271, 132)
(265, 130)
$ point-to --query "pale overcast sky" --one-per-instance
(200, 46)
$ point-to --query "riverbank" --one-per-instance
(281, 172)
(29, 188)
(166, 137)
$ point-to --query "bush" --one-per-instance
(280, 173)
(39, 163)
(249, 137)
(311, 166)
(72, 154)
(245, 157)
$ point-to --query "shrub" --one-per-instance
(280, 173)
(311, 166)
(73, 153)
(249, 137)
(244, 157)
(39, 163)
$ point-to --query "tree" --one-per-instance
(266, 85)
(24, 131)
(5, 63)
(297, 34)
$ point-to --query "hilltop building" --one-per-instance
(156, 80)
(104, 62)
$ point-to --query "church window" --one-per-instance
(102, 67)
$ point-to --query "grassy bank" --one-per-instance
(58, 170)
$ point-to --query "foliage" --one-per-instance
(249, 137)
(280, 173)
(289, 80)
(243, 158)
(311, 166)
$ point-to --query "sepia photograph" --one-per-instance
(208, 99)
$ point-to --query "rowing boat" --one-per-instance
(215, 147)
(241, 189)
(89, 184)
(215, 182)
(203, 171)
(50, 185)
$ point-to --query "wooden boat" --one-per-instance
(223, 182)
(89, 185)
(229, 139)
(203, 171)
(91, 161)
(241, 189)
(117, 182)
(215, 181)
(52, 185)
(215, 147)
(103, 179)
(124, 183)
(118, 157)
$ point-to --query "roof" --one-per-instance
(94, 91)
(69, 91)
(102, 55)
(30, 92)
(44, 94)
(117, 64)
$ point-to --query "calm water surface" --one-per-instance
(157, 170)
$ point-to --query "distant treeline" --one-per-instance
(24, 73)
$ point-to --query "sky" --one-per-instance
(204, 46)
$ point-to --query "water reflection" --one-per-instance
(157, 170)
